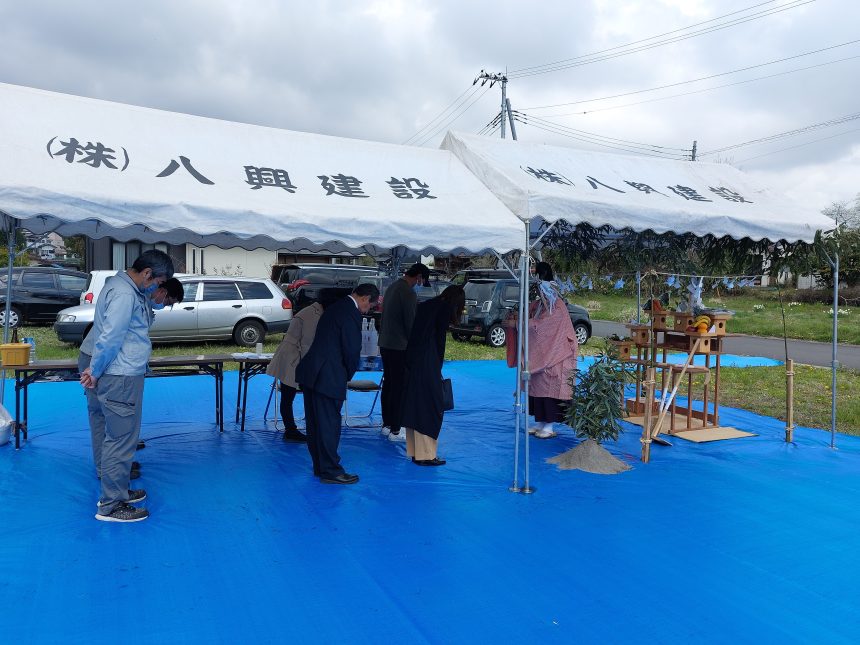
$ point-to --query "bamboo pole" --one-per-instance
(789, 401)
(646, 424)
(665, 403)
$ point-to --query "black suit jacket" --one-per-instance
(333, 357)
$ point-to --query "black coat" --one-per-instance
(422, 397)
(333, 357)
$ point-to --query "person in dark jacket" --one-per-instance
(323, 374)
(398, 314)
(422, 397)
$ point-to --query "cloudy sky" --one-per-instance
(402, 71)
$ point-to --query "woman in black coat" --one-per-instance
(422, 396)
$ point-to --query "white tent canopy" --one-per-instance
(641, 193)
(82, 166)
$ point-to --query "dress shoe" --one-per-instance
(294, 436)
(429, 462)
(343, 478)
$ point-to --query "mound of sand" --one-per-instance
(591, 457)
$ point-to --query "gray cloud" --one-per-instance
(382, 70)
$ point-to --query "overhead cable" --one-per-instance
(454, 116)
(599, 56)
(604, 143)
(663, 150)
(696, 80)
(788, 133)
(704, 89)
(457, 101)
(808, 143)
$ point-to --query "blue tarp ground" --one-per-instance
(749, 540)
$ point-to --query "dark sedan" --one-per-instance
(39, 293)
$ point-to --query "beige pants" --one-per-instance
(420, 445)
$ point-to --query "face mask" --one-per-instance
(157, 306)
(150, 289)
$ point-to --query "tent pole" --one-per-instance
(518, 397)
(834, 363)
(524, 291)
(11, 223)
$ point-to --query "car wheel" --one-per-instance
(456, 335)
(14, 316)
(248, 333)
(496, 336)
(582, 334)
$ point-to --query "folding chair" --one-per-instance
(276, 417)
(362, 385)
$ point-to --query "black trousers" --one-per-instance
(288, 395)
(394, 373)
(322, 425)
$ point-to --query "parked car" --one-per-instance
(466, 275)
(38, 293)
(431, 290)
(214, 308)
(488, 302)
(305, 284)
(96, 282)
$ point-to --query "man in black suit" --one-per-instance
(323, 374)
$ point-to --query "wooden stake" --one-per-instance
(789, 401)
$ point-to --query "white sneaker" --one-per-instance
(546, 432)
(385, 431)
(400, 436)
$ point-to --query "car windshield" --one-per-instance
(479, 291)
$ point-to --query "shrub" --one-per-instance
(595, 410)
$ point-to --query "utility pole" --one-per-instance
(693, 156)
(511, 117)
(505, 109)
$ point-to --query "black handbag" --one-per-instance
(447, 395)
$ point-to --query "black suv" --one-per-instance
(38, 293)
(432, 289)
(488, 302)
(305, 284)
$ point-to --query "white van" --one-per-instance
(96, 281)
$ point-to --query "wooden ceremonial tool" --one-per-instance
(664, 402)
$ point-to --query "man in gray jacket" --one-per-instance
(113, 367)
(398, 314)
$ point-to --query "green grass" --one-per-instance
(757, 389)
(803, 321)
(763, 390)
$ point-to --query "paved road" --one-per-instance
(802, 351)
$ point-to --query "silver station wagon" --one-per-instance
(214, 308)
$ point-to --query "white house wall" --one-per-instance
(235, 261)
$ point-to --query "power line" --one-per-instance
(605, 142)
(696, 80)
(450, 106)
(452, 118)
(496, 120)
(636, 42)
(526, 118)
(596, 57)
(773, 152)
(706, 89)
(789, 133)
